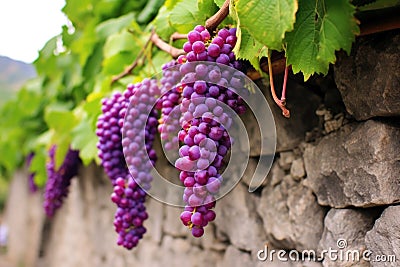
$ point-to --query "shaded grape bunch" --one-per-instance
(208, 99)
(108, 130)
(126, 131)
(59, 180)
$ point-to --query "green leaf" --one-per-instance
(119, 42)
(61, 122)
(117, 63)
(170, 4)
(185, 15)
(219, 3)
(250, 49)
(38, 166)
(61, 150)
(111, 26)
(267, 20)
(321, 28)
(207, 7)
(60, 119)
(376, 5)
(85, 41)
(85, 140)
(107, 8)
(78, 12)
(162, 25)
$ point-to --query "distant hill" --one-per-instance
(13, 74)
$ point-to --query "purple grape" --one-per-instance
(223, 33)
(119, 137)
(214, 50)
(223, 59)
(197, 231)
(194, 36)
(204, 123)
(171, 98)
(199, 28)
(187, 47)
(59, 180)
(202, 56)
(205, 35)
(218, 41)
(198, 47)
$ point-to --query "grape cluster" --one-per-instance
(170, 98)
(58, 181)
(207, 95)
(31, 176)
(129, 131)
(109, 126)
(208, 98)
(139, 130)
(220, 50)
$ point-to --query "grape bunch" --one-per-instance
(209, 96)
(58, 181)
(127, 128)
(109, 125)
(203, 86)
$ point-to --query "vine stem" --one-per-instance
(173, 51)
(213, 22)
(283, 96)
(280, 103)
(177, 36)
(128, 70)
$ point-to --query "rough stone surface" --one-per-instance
(297, 170)
(286, 159)
(344, 230)
(369, 79)
(384, 238)
(292, 218)
(237, 220)
(172, 224)
(356, 166)
(276, 173)
(236, 258)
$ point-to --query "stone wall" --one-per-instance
(334, 183)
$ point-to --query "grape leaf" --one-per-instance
(118, 43)
(219, 3)
(161, 23)
(85, 140)
(185, 15)
(250, 49)
(117, 63)
(321, 28)
(60, 121)
(169, 4)
(207, 7)
(267, 21)
(111, 26)
(38, 166)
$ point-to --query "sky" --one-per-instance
(26, 25)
